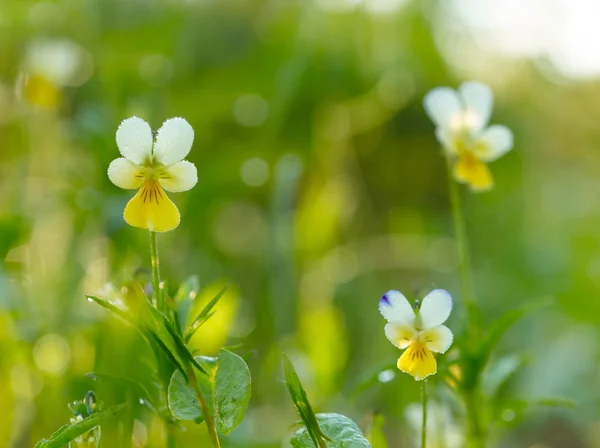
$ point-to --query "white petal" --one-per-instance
(437, 339)
(494, 142)
(125, 174)
(400, 334)
(435, 308)
(443, 106)
(173, 141)
(478, 101)
(394, 307)
(181, 176)
(134, 139)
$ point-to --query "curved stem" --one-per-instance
(171, 440)
(208, 417)
(424, 419)
(155, 271)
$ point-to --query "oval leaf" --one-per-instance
(231, 391)
(343, 432)
(183, 401)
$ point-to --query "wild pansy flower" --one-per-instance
(152, 166)
(420, 332)
(461, 118)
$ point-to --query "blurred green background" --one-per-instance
(321, 186)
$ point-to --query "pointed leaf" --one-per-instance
(231, 391)
(204, 314)
(342, 432)
(300, 400)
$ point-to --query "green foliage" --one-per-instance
(70, 432)
(206, 313)
(231, 391)
(340, 431)
(300, 400)
(226, 390)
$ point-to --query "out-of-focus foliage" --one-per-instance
(321, 186)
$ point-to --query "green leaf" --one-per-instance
(342, 432)
(123, 314)
(205, 314)
(70, 432)
(183, 401)
(231, 391)
(300, 400)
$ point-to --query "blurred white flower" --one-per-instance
(442, 431)
(152, 166)
(421, 333)
(461, 117)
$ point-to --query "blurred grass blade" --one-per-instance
(339, 429)
(231, 391)
(500, 326)
(375, 434)
(70, 432)
(300, 400)
(205, 314)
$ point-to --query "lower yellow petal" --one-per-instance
(470, 170)
(417, 361)
(151, 209)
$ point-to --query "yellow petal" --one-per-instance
(41, 92)
(417, 361)
(151, 209)
(470, 170)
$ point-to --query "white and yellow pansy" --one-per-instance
(420, 332)
(152, 166)
(461, 117)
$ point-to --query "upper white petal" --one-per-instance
(125, 174)
(180, 176)
(435, 308)
(173, 141)
(446, 138)
(478, 101)
(443, 106)
(494, 142)
(394, 307)
(134, 139)
(400, 334)
(437, 339)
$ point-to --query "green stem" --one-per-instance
(171, 440)
(424, 410)
(155, 271)
(475, 432)
(208, 417)
(463, 247)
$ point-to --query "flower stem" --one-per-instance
(155, 271)
(424, 410)
(208, 417)
(463, 248)
(171, 441)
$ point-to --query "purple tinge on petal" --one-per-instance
(384, 300)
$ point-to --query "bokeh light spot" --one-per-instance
(254, 172)
(251, 110)
(51, 353)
